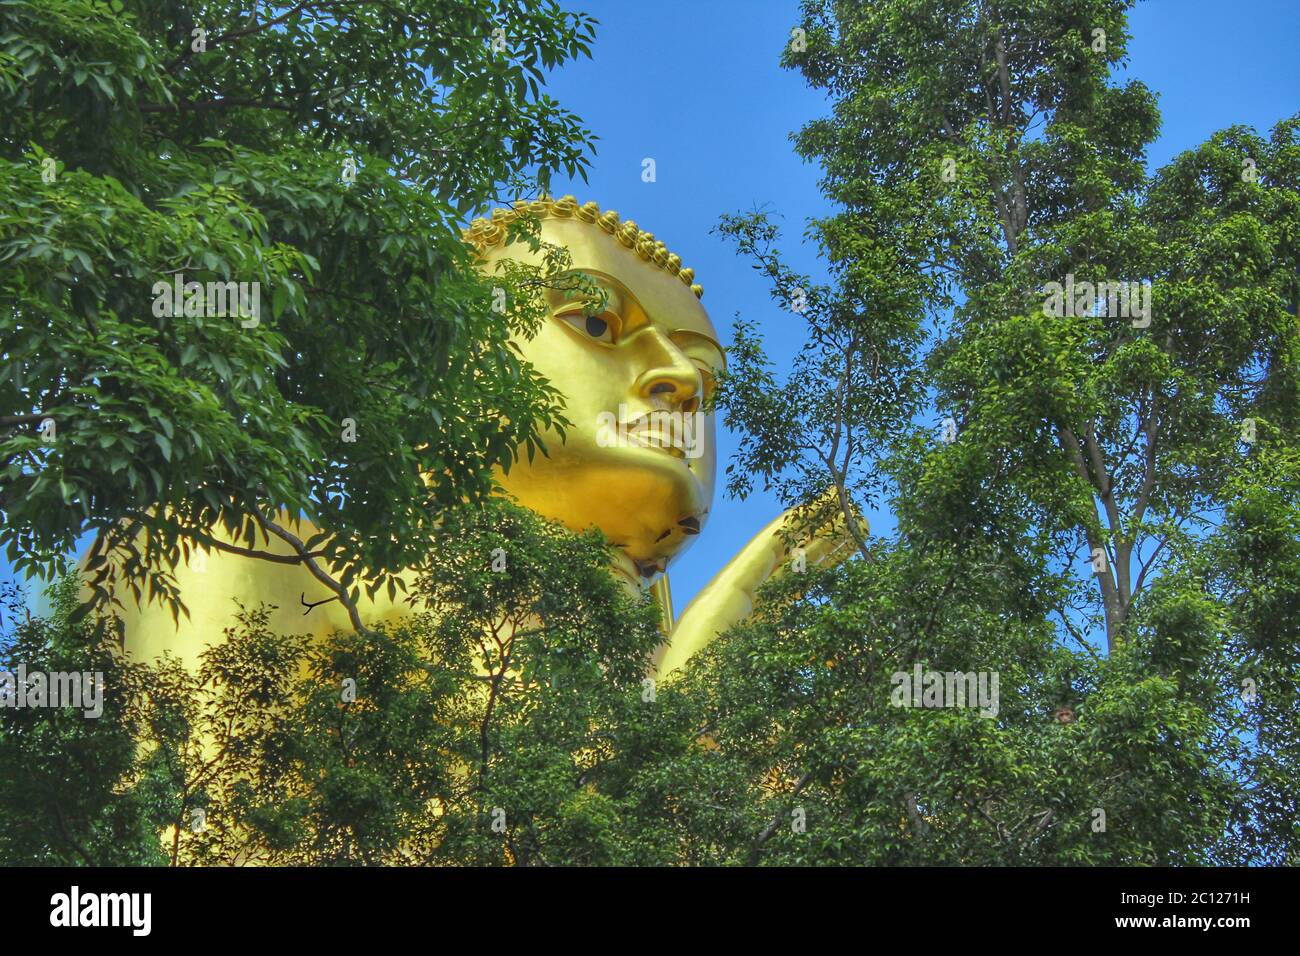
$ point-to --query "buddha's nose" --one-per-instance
(673, 378)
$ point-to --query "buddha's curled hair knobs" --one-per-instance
(483, 234)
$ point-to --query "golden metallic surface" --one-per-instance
(657, 354)
(653, 353)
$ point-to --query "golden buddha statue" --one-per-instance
(635, 379)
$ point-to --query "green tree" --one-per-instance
(505, 724)
(1111, 525)
(1103, 474)
(326, 151)
(982, 144)
(1252, 571)
(76, 790)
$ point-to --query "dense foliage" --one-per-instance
(402, 746)
(1094, 486)
(1097, 503)
(327, 152)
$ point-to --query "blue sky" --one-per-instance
(697, 87)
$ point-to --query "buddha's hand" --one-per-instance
(797, 539)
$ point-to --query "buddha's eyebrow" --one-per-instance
(615, 297)
(707, 340)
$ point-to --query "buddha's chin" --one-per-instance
(649, 504)
(665, 510)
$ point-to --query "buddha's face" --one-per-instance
(648, 360)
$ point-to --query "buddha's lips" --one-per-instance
(652, 437)
(669, 438)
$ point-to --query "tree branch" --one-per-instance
(221, 102)
(317, 572)
(766, 834)
(236, 34)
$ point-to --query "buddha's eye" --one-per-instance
(603, 328)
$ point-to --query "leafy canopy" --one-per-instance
(328, 153)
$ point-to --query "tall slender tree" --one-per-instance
(1075, 383)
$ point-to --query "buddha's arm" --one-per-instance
(729, 597)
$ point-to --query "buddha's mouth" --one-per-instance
(678, 433)
(660, 440)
